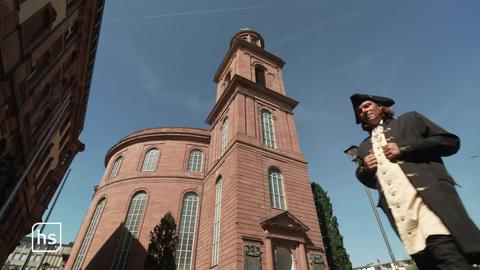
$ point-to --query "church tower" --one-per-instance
(257, 206)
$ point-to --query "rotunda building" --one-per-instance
(148, 174)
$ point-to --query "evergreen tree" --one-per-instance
(337, 256)
(161, 250)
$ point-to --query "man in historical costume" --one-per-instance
(402, 159)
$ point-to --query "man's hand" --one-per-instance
(370, 162)
(391, 151)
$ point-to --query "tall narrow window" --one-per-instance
(89, 235)
(150, 160)
(227, 77)
(268, 131)
(130, 230)
(216, 222)
(277, 196)
(260, 75)
(224, 135)
(195, 160)
(116, 167)
(186, 232)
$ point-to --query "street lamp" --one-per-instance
(352, 153)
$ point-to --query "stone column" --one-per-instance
(302, 257)
(268, 251)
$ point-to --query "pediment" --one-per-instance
(285, 221)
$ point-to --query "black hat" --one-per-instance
(357, 99)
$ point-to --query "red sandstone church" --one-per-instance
(240, 192)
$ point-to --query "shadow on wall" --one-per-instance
(103, 259)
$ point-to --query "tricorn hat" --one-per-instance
(357, 99)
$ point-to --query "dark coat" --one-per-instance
(422, 143)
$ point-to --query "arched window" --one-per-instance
(260, 75)
(186, 232)
(150, 160)
(228, 77)
(224, 135)
(89, 235)
(116, 167)
(216, 222)
(195, 160)
(277, 196)
(130, 230)
(268, 131)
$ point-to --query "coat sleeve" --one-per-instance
(365, 177)
(434, 140)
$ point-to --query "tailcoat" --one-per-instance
(422, 144)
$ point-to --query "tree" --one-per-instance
(161, 250)
(337, 256)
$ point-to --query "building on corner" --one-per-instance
(47, 54)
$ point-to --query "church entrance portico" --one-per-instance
(285, 242)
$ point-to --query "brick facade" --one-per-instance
(252, 234)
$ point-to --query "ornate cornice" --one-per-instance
(254, 87)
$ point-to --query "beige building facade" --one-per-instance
(240, 192)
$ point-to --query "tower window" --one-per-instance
(89, 235)
(216, 222)
(267, 129)
(150, 160)
(254, 40)
(116, 167)
(130, 231)
(224, 136)
(228, 77)
(260, 75)
(186, 232)
(277, 196)
(195, 160)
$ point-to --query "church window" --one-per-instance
(224, 135)
(89, 235)
(150, 160)
(260, 75)
(216, 222)
(227, 77)
(254, 40)
(130, 231)
(277, 196)
(116, 167)
(195, 160)
(268, 131)
(186, 232)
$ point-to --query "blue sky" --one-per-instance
(156, 60)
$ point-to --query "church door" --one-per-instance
(283, 259)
